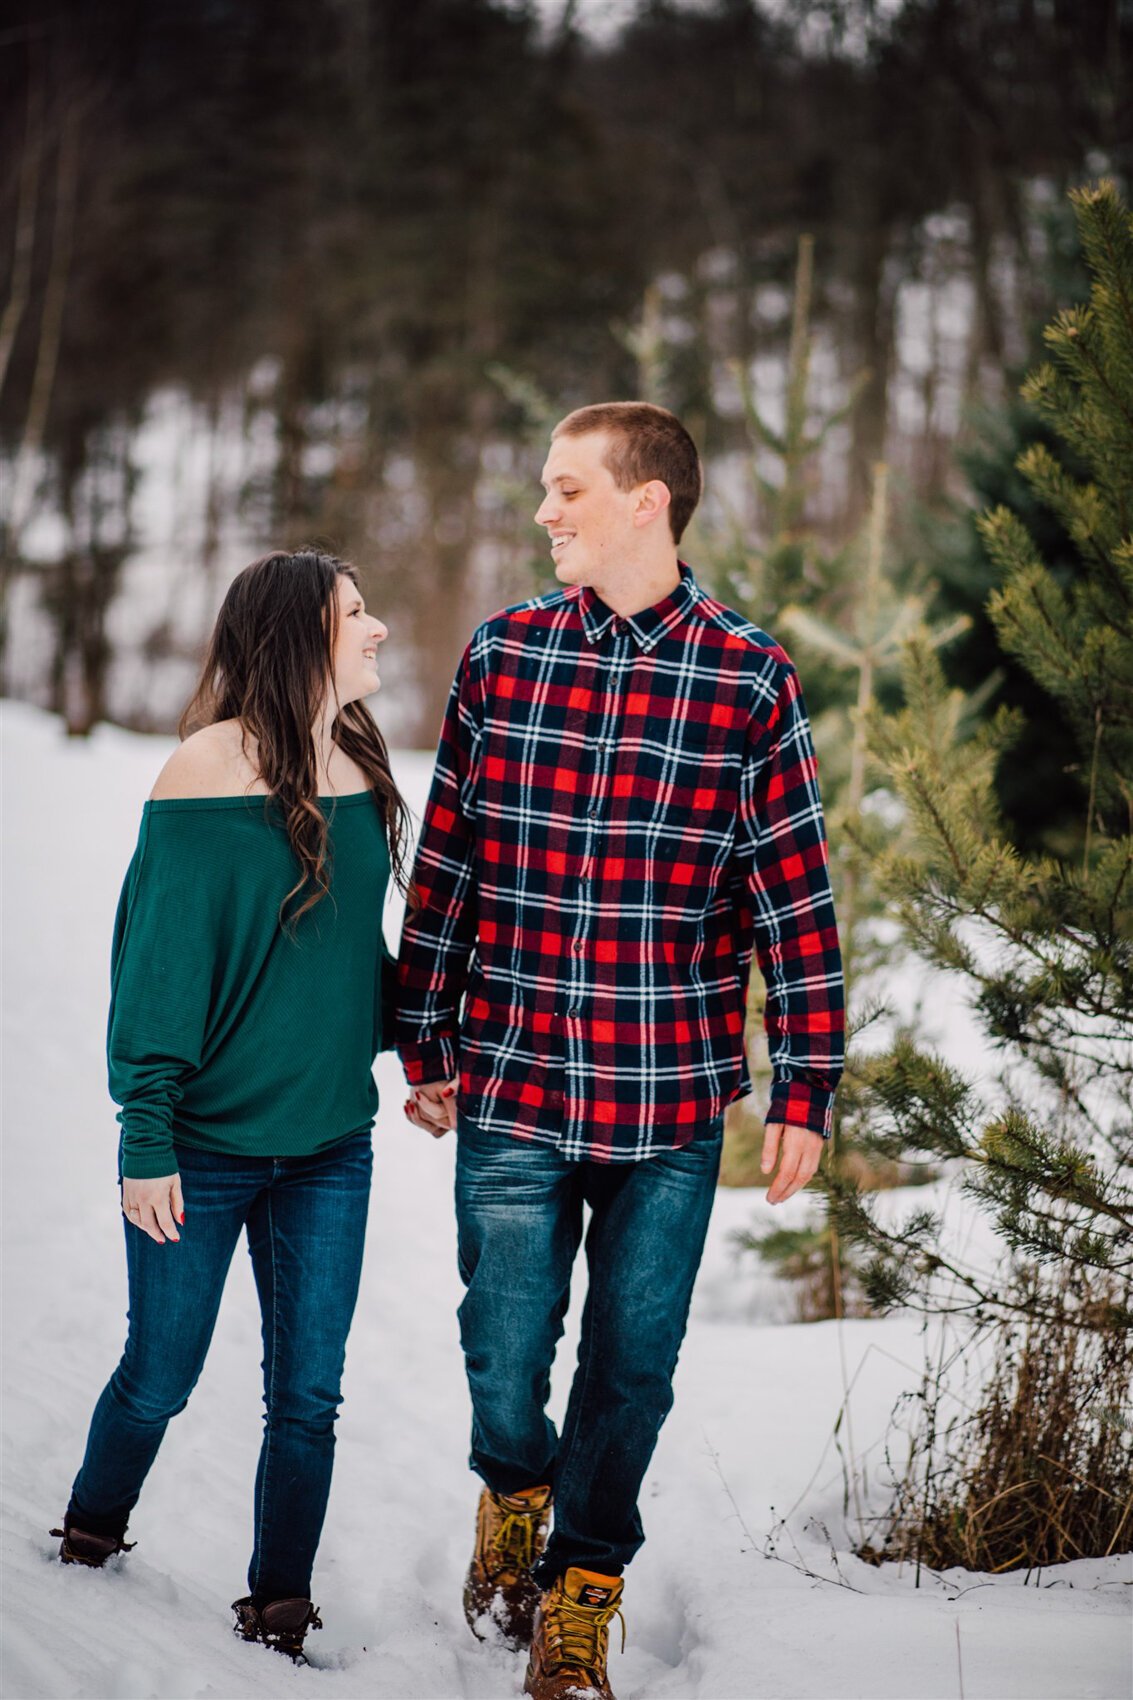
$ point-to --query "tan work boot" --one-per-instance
(511, 1532)
(571, 1638)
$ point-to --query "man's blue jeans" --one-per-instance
(306, 1223)
(519, 1225)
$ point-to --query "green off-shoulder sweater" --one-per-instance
(226, 1031)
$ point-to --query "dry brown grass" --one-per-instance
(1041, 1473)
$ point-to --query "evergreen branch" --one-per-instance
(1085, 350)
(982, 1302)
(1021, 940)
(1087, 203)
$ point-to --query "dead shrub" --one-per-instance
(1042, 1471)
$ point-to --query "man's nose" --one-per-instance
(545, 511)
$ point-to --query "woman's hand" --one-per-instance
(155, 1206)
(433, 1107)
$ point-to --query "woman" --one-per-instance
(246, 1011)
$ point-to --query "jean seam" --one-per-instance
(584, 1370)
(270, 1391)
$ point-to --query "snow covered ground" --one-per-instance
(710, 1615)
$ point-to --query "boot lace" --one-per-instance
(576, 1635)
(515, 1538)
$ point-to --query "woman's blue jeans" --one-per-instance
(519, 1209)
(306, 1223)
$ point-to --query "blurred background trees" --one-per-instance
(258, 264)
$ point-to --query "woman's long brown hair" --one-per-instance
(269, 665)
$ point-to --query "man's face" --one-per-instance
(588, 519)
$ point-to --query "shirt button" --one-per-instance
(619, 626)
(577, 947)
(573, 1014)
(593, 811)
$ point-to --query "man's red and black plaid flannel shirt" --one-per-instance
(620, 806)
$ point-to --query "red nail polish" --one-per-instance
(181, 1218)
(448, 1092)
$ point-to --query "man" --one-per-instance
(625, 796)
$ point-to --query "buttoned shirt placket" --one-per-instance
(615, 670)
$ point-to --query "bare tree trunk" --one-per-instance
(24, 242)
(875, 312)
(51, 324)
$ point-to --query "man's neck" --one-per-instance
(644, 589)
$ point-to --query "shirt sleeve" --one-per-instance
(437, 938)
(781, 840)
(161, 980)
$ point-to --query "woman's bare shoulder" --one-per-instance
(214, 762)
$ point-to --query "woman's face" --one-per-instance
(355, 645)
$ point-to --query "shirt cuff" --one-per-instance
(428, 1060)
(796, 1103)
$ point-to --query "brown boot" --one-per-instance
(281, 1624)
(572, 1636)
(79, 1547)
(511, 1532)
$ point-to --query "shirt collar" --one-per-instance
(648, 627)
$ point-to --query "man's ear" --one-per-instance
(652, 500)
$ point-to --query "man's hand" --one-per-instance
(433, 1107)
(797, 1151)
(154, 1206)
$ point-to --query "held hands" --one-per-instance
(155, 1206)
(433, 1107)
(797, 1151)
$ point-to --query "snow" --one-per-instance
(711, 1615)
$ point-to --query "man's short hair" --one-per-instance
(645, 442)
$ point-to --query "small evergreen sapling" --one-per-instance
(1044, 946)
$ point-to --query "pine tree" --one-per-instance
(1042, 812)
(1042, 945)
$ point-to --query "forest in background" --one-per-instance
(314, 271)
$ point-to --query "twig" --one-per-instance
(718, 1467)
(770, 1550)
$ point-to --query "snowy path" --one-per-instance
(709, 1617)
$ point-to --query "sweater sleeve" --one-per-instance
(387, 1002)
(782, 845)
(162, 963)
